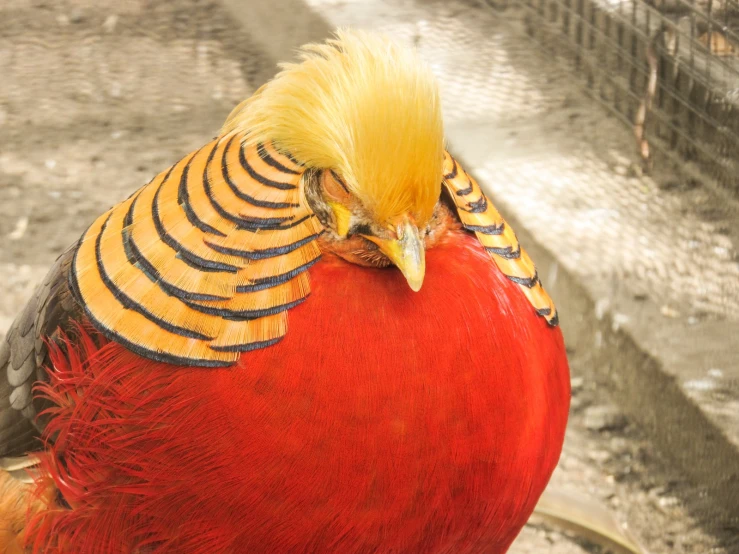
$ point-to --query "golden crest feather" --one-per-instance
(364, 107)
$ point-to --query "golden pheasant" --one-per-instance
(416, 402)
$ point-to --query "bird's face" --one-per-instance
(357, 235)
(364, 117)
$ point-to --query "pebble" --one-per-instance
(667, 311)
(110, 22)
(619, 445)
(76, 16)
(20, 229)
(604, 418)
(599, 456)
(668, 502)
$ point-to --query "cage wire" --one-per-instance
(669, 68)
(102, 94)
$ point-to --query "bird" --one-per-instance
(314, 334)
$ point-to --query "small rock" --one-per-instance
(721, 252)
(601, 307)
(618, 320)
(622, 170)
(604, 418)
(599, 456)
(701, 385)
(20, 229)
(76, 16)
(668, 502)
(110, 22)
(667, 311)
(619, 445)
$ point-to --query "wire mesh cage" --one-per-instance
(668, 67)
(669, 71)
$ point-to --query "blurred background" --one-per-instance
(606, 131)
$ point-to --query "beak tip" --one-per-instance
(407, 253)
(415, 284)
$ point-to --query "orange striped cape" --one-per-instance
(479, 215)
(203, 263)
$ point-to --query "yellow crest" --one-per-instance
(364, 107)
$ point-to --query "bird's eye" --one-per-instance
(340, 181)
(360, 229)
(334, 187)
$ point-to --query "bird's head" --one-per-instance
(363, 116)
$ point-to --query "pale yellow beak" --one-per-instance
(407, 252)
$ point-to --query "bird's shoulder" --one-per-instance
(23, 355)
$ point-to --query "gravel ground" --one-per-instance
(98, 96)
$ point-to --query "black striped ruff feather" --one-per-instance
(202, 263)
(479, 215)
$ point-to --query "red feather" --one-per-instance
(385, 421)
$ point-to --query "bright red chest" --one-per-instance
(393, 421)
(386, 421)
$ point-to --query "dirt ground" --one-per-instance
(98, 96)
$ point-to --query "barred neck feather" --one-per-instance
(203, 262)
(364, 107)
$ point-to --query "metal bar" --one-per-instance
(681, 100)
(632, 65)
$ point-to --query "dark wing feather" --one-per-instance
(23, 355)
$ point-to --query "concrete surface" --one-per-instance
(97, 96)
